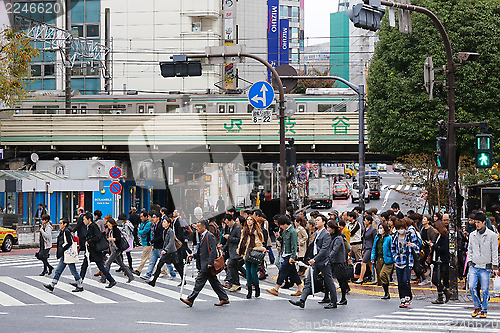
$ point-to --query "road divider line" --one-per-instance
(158, 323)
(260, 330)
(67, 317)
(42, 295)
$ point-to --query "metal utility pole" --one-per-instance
(67, 60)
(452, 162)
(107, 44)
(281, 107)
(360, 90)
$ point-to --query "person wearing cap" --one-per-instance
(482, 258)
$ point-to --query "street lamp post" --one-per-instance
(281, 107)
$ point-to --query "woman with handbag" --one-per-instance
(45, 244)
(300, 226)
(117, 244)
(441, 261)
(252, 250)
(169, 253)
(382, 259)
(96, 244)
(67, 255)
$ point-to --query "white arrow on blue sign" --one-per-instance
(261, 95)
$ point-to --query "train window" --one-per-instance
(151, 109)
(200, 108)
(140, 109)
(171, 108)
(105, 109)
(52, 109)
(230, 108)
(74, 109)
(38, 109)
(331, 108)
(83, 109)
(222, 108)
(111, 109)
(301, 108)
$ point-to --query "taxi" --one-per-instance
(8, 238)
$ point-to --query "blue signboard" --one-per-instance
(261, 95)
(273, 34)
(284, 42)
(104, 201)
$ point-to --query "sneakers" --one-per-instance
(136, 272)
(476, 312)
(227, 284)
(483, 315)
(405, 302)
(170, 277)
(235, 287)
(144, 277)
(111, 285)
(424, 282)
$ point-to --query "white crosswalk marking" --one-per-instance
(86, 295)
(399, 187)
(407, 187)
(42, 295)
(7, 300)
(159, 290)
(123, 292)
(442, 318)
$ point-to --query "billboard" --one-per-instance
(284, 42)
(273, 34)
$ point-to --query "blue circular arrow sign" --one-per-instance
(261, 95)
(115, 187)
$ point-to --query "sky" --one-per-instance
(317, 20)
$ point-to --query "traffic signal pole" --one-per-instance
(452, 126)
(281, 106)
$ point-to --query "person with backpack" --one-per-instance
(404, 245)
(115, 237)
(381, 257)
(144, 233)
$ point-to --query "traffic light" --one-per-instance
(484, 151)
(291, 154)
(366, 16)
(441, 153)
(180, 67)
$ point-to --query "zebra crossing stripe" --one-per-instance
(407, 187)
(42, 295)
(7, 300)
(162, 291)
(123, 292)
(399, 187)
(86, 295)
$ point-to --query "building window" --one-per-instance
(200, 108)
(172, 108)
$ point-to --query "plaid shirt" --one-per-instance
(402, 254)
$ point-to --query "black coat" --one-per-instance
(157, 240)
(135, 219)
(442, 249)
(93, 236)
(81, 229)
(63, 235)
(206, 252)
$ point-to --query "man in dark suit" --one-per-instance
(320, 263)
(231, 246)
(205, 257)
(135, 219)
(81, 229)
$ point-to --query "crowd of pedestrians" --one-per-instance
(312, 251)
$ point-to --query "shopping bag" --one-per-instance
(496, 285)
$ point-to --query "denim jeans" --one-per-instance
(404, 287)
(252, 278)
(60, 268)
(483, 277)
(271, 254)
(155, 255)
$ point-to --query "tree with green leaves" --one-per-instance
(16, 53)
(401, 118)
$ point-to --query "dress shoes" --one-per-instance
(136, 272)
(50, 270)
(222, 302)
(342, 302)
(111, 285)
(298, 293)
(49, 287)
(43, 273)
(77, 289)
(272, 291)
(299, 303)
(331, 306)
(187, 302)
(324, 301)
(152, 283)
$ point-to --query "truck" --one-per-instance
(374, 180)
(350, 170)
(320, 193)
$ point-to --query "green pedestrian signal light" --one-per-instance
(484, 151)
